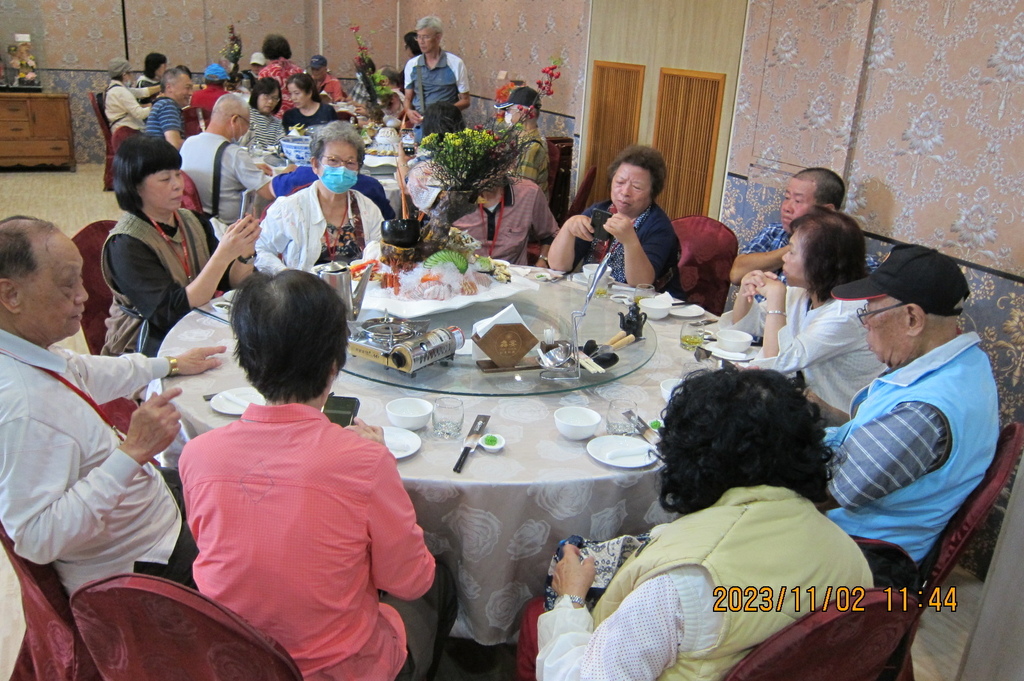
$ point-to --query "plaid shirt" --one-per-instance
(770, 238)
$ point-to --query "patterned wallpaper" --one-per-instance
(913, 101)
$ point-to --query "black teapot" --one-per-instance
(633, 321)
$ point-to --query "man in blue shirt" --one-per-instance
(165, 117)
(810, 187)
(435, 75)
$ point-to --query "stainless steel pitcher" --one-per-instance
(339, 277)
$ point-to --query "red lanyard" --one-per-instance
(85, 396)
(497, 226)
(183, 258)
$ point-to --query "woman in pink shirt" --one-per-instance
(299, 521)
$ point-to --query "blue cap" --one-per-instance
(215, 72)
(317, 61)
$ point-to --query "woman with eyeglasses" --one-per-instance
(804, 328)
(265, 130)
(328, 221)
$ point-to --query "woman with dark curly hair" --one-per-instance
(643, 246)
(744, 461)
(278, 54)
(804, 327)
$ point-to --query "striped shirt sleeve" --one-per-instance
(888, 453)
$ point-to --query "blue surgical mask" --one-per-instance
(340, 179)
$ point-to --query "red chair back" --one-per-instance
(90, 240)
(137, 625)
(582, 193)
(190, 195)
(193, 120)
(707, 250)
(833, 645)
(52, 647)
(96, 100)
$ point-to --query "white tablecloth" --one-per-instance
(496, 524)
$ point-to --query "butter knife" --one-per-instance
(472, 440)
(642, 429)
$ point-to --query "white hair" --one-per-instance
(431, 21)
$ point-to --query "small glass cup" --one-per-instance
(643, 291)
(691, 336)
(616, 423)
(448, 417)
(603, 285)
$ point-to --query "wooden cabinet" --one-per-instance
(35, 130)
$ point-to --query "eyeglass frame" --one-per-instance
(351, 165)
(863, 313)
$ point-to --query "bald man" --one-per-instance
(218, 146)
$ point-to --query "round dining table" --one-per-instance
(497, 523)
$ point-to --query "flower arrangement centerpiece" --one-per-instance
(232, 51)
(462, 164)
(372, 87)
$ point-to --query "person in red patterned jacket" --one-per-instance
(278, 54)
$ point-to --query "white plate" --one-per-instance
(222, 403)
(687, 311)
(750, 354)
(606, 448)
(401, 442)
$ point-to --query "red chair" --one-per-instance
(973, 513)
(90, 240)
(101, 118)
(192, 119)
(582, 193)
(137, 625)
(707, 250)
(833, 645)
(52, 647)
(190, 195)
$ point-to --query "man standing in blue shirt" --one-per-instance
(435, 75)
(810, 187)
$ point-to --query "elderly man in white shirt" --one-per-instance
(73, 491)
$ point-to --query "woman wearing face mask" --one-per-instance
(522, 108)
(327, 221)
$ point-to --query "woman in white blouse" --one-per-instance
(804, 327)
(328, 221)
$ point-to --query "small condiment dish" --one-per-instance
(492, 442)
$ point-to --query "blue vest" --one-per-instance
(956, 378)
(439, 83)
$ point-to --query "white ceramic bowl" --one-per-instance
(590, 269)
(296, 149)
(667, 386)
(655, 308)
(732, 340)
(410, 413)
(577, 423)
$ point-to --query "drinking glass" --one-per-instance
(603, 285)
(448, 417)
(691, 336)
(643, 291)
(617, 423)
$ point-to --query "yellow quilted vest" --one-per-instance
(753, 536)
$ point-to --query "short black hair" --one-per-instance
(832, 248)
(276, 46)
(303, 81)
(412, 43)
(138, 157)
(265, 86)
(648, 158)
(442, 118)
(829, 188)
(154, 60)
(17, 259)
(729, 428)
(284, 356)
(394, 76)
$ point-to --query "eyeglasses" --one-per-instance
(334, 162)
(864, 312)
(426, 36)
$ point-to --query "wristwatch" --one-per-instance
(575, 600)
(246, 261)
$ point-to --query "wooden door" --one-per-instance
(614, 123)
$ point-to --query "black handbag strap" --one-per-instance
(215, 200)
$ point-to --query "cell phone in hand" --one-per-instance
(341, 410)
(597, 219)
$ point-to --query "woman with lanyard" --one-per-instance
(328, 221)
(644, 248)
(507, 218)
(161, 260)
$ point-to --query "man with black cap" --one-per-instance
(921, 436)
(522, 107)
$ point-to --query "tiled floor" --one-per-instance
(72, 200)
